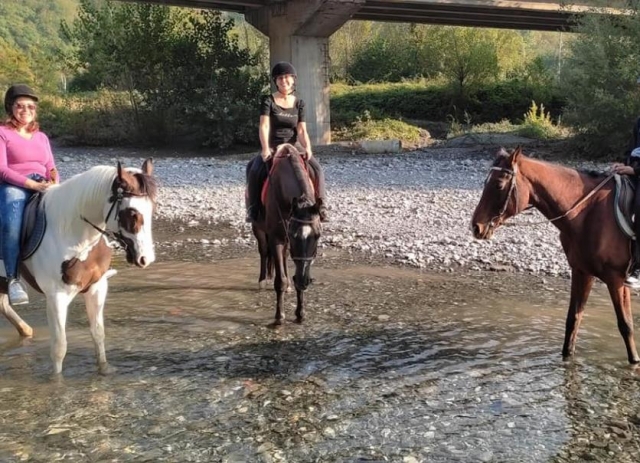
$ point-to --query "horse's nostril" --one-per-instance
(142, 261)
(476, 230)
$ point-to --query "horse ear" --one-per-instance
(513, 159)
(502, 153)
(147, 166)
(120, 171)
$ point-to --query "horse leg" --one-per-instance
(581, 285)
(94, 300)
(621, 298)
(57, 307)
(279, 284)
(285, 256)
(23, 328)
(300, 306)
(263, 249)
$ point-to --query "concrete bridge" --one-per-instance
(299, 30)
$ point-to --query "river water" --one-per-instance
(391, 364)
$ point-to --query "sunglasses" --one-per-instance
(29, 106)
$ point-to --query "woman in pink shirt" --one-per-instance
(26, 167)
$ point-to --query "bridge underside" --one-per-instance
(299, 31)
(503, 14)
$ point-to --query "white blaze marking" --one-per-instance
(305, 231)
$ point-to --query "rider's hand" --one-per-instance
(621, 169)
(308, 154)
(266, 154)
(37, 186)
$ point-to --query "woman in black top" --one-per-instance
(282, 120)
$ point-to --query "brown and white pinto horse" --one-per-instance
(74, 256)
(292, 224)
(581, 206)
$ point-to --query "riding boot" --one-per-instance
(256, 175)
(318, 177)
(16, 292)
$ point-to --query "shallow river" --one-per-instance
(391, 364)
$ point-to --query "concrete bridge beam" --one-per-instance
(299, 32)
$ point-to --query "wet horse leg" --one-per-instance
(23, 328)
(263, 249)
(94, 300)
(300, 306)
(57, 307)
(285, 258)
(278, 253)
(581, 285)
(621, 298)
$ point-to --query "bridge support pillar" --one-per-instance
(299, 32)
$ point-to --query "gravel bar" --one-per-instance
(413, 208)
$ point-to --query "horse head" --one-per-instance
(133, 195)
(304, 231)
(500, 199)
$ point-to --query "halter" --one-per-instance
(512, 188)
(114, 239)
(304, 222)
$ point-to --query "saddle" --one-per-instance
(623, 204)
(34, 224)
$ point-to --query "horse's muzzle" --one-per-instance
(482, 231)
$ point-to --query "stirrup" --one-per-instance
(16, 292)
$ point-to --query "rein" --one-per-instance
(513, 172)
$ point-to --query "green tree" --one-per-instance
(599, 77)
(184, 71)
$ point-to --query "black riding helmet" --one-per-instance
(283, 68)
(16, 91)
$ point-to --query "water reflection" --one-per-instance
(392, 365)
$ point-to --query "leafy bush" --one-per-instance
(437, 101)
(538, 124)
(366, 128)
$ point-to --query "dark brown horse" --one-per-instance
(580, 205)
(292, 224)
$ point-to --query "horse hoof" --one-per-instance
(105, 369)
(299, 320)
(262, 284)
(25, 331)
(57, 378)
(289, 289)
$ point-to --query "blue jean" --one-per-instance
(13, 201)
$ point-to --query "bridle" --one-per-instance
(513, 190)
(304, 222)
(513, 187)
(114, 239)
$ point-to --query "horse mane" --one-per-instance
(302, 177)
(591, 173)
(69, 200)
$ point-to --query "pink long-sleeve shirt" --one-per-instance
(20, 157)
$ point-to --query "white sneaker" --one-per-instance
(17, 294)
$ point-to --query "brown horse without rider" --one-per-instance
(581, 206)
(292, 224)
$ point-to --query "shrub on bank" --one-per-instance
(439, 102)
